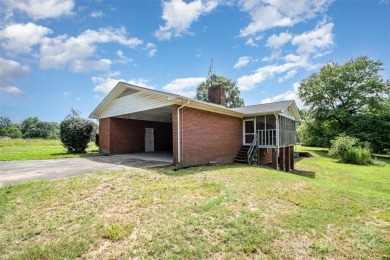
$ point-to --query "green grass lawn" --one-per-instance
(36, 149)
(323, 209)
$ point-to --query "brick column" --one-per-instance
(105, 136)
(292, 157)
(274, 157)
(281, 158)
(287, 158)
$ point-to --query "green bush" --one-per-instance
(75, 132)
(346, 149)
(358, 155)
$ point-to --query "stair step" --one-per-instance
(242, 155)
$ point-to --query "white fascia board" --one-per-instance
(117, 90)
(264, 114)
(294, 109)
(113, 94)
(223, 111)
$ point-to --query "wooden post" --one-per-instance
(281, 158)
(287, 158)
(274, 157)
(292, 157)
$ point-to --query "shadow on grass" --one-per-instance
(308, 174)
(209, 168)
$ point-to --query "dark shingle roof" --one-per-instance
(264, 108)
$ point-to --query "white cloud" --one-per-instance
(89, 65)
(67, 93)
(288, 95)
(12, 90)
(20, 38)
(248, 82)
(96, 14)
(151, 49)
(288, 75)
(76, 53)
(251, 42)
(122, 58)
(107, 84)
(10, 69)
(179, 16)
(277, 41)
(267, 14)
(242, 62)
(319, 39)
(184, 86)
(40, 9)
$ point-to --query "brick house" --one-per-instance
(135, 119)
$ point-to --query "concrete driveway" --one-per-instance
(12, 172)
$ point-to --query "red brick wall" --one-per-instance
(265, 158)
(104, 135)
(118, 135)
(206, 136)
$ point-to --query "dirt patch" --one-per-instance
(293, 248)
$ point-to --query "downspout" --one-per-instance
(179, 133)
(277, 140)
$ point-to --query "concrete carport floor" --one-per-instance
(13, 172)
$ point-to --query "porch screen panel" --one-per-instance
(249, 131)
(287, 131)
(271, 130)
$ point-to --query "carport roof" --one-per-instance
(126, 98)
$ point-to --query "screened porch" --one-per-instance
(269, 131)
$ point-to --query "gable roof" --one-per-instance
(274, 107)
(126, 98)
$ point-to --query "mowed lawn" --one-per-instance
(323, 209)
(36, 149)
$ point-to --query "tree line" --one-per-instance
(351, 99)
(33, 128)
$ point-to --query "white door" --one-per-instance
(149, 140)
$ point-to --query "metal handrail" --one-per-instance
(251, 149)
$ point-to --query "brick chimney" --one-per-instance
(216, 95)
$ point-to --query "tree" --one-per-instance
(75, 132)
(232, 92)
(28, 123)
(339, 92)
(9, 129)
(349, 98)
(33, 128)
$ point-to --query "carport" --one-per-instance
(135, 120)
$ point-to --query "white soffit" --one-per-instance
(136, 102)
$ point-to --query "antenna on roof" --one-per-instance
(210, 68)
(210, 72)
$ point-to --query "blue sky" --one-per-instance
(59, 54)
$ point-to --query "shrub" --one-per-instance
(358, 155)
(346, 149)
(75, 132)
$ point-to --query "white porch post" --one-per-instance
(277, 140)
